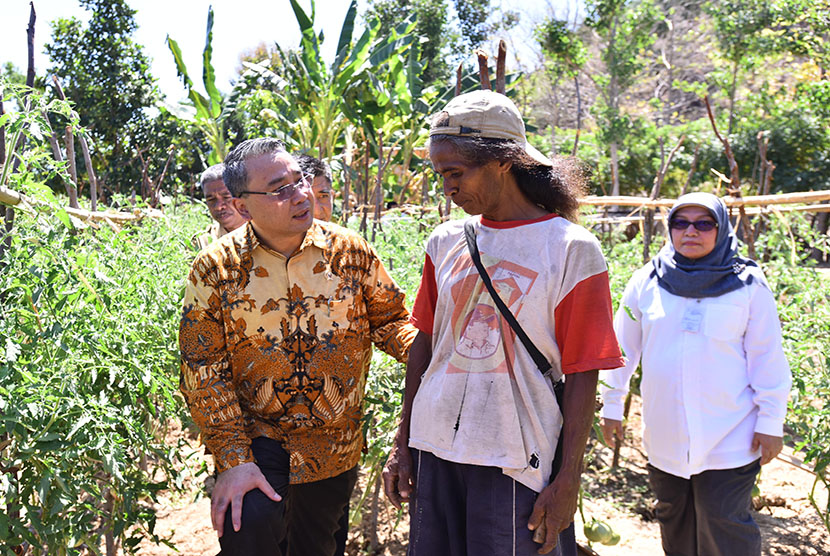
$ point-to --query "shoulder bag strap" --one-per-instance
(540, 360)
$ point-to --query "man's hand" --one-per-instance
(612, 431)
(398, 483)
(770, 446)
(554, 509)
(231, 487)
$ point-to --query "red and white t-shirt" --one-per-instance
(482, 400)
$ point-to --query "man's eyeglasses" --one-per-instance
(286, 191)
(700, 225)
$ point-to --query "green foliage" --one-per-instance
(205, 112)
(372, 94)
(29, 122)
(564, 50)
(107, 76)
(432, 25)
(89, 370)
(400, 246)
(803, 308)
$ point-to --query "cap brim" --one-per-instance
(537, 155)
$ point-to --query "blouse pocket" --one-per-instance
(725, 322)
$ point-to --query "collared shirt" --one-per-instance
(482, 399)
(714, 373)
(280, 347)
(208, 235)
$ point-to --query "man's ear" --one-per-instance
(239, 205)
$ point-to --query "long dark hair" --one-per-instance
(557, 189)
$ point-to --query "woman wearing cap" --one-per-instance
(715, 380)
(480, 423)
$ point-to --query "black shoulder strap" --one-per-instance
(540, 360)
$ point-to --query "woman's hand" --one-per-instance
(770, 446)
(612, 431)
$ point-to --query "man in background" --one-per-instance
(320, 185)
(218, 200)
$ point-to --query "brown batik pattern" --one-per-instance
(281, 348)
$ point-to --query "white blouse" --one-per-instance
(714, 373)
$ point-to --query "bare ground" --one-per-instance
(789, 524)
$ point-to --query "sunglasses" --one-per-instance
(286, 191)
(700, 225)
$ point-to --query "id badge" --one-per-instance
(691, 320)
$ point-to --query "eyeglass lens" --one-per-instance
(287, 191)
(700, 225)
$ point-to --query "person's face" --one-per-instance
(690, 242)
(476, 189)
(220, 204)
(321, 187)
(276, 219)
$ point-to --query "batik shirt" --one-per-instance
(208, 235)
(280, 347)
(482, 399)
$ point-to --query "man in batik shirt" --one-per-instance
(276, 336)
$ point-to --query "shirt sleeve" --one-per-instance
(769, 371)
(389, 325)
(423, 312)
(584, 329)
(627, 325)
(205, 378)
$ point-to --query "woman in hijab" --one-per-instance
(702, 321)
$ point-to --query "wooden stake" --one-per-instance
(735, 182)
(93, 182)
(69, 140)
(30, 82)
(93, 187)
(347, 178)
(483, 70)
(2, 134)
(501, 86)
(458, 79)
(157, 188)
(692, 168)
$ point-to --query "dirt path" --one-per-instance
(789, 524)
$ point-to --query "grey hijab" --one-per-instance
(715, 274)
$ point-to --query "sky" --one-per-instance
(239, 25)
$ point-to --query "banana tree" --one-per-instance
(311, 109)
(204, 112)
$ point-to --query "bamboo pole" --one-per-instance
(749, 200)
(11, 198)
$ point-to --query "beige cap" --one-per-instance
(487, 114)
